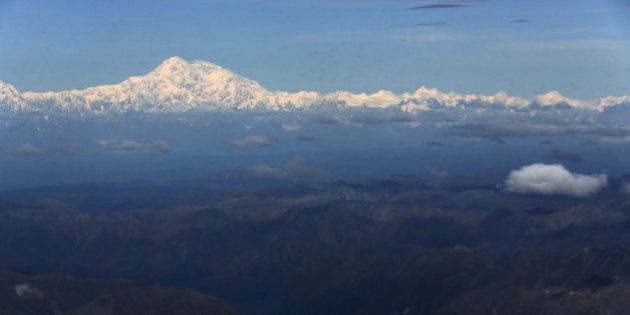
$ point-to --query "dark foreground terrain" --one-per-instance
(265, 246)
(60, 294)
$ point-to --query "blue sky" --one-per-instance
(580, 48)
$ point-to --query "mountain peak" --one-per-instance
(554, 98)
(6, 88)
(175, 60)
(179, 62)
(177, 66)
(10, 98)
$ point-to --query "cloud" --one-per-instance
(401, 119)
(325, 120)
(522, 130)
(28, 150)
(158, 146)
(437, 6)
(289, 127)
(435, 37)
(421, 24)
(257, 140)
(413, 124)
(567, 44)
(306, 138)
(625, 188)
(434, 143)
(612, 140)
(25, 290)
(553, 179)
(368, 119)
(294, 168)
(558, 155)
(379, 118)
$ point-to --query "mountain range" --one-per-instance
(238, 242)
(178, 85)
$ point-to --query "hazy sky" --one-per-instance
(579, 47)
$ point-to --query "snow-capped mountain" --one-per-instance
(10, 98)
(555, 98)
(178, 85)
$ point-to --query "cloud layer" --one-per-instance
(295, 168)
(157, 147)
(613, 140)
(257, 140)
(553, 179)
(493, 130)
(28, 150)
(437, 6)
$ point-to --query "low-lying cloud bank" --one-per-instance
(295, 168)
(493, 130)
(28, 150)
(157, 147)
(258, 140)
(613, 140)
(554, 179)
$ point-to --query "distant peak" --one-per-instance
(181, 62)
(7, 88)
(554, 94)
(554, 98)
(174, 61)
(174, 65)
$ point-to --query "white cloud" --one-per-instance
(553, 179)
